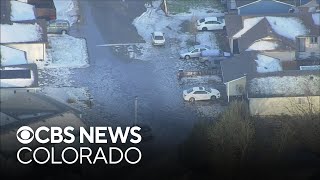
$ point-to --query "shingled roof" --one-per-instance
(284, 84)
(5, 11)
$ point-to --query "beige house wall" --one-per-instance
(34, 51)
(284, 105)
(236, 87)
(311, 49)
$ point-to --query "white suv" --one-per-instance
(211, 23)
(200, 93)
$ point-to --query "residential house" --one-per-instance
(236, 69)
(20, 30)
(308, 46)
(284, 93)
(29, 36)
(33, 110)
(273, 34)
(15, 78)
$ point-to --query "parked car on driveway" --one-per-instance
(158, 38)
(193, 52)
(211, 23)
(200, 93)
(58, 27)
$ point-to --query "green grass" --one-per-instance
(183, 6)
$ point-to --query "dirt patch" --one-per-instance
(185, 27)
(222, 40)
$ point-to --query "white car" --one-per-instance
(158, 38)
(211, 23)
(200, 93)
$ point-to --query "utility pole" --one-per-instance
(135, 110)
(165, 7)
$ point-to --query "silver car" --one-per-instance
(193, 52)
(58, 27)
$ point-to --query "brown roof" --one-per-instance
(234, 23)
(239, 66)
(309, 23)
(259, 31)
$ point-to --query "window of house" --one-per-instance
(301, 100)
(314, 40)
(301, 44)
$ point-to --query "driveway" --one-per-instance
(114, 81)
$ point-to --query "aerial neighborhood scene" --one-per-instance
(224, 89)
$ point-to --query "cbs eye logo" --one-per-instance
(25, 134)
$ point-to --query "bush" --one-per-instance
(223, 144)
(71, 100)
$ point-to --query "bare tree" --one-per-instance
(192, 27)
(234, 132)
(164, 7)
(283, 137)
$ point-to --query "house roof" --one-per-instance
(249, 29)
(34, 110)
(238, 66)
(21, 11)
(11, 56)
(284, 84)
(33, 31)
(264, 7)
(311, 20)
(19, 76)
(249, 62)
(5, 11)
(234, 23)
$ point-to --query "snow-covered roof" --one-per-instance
(11, 56)
(285, 84)
(267, 64)
(263, 46)
(247, 25)
(21, 11)
(248, 63)
(288, 27)
(20, 32)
